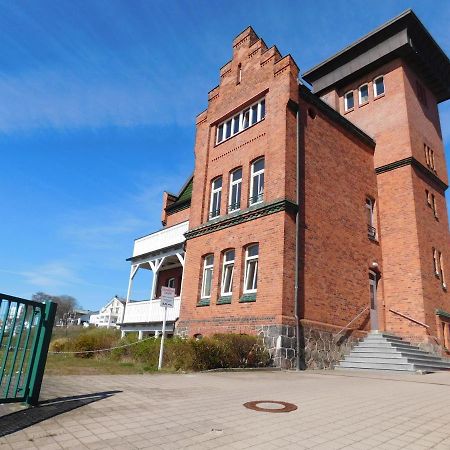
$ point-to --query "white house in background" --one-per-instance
(110, 315)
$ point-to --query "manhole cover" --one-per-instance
(270, 406)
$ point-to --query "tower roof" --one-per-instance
(403, 36)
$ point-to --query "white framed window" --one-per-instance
(171, 282)
(349, 101)
(370, 208)
(227, 273)
(363, 93)
(431, 201)
(429, 157)
(251, 269)
(216, 197)
(378, 86)
(208, 266)
(234, 201)
(241, 121)
(257, 182)
(441, 269)
(435, 262)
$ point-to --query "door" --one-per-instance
(373, 300)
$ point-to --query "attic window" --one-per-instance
(349, 101)
(242, 120)
(378, 86)
(363, 94)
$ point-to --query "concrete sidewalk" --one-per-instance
(205, 410)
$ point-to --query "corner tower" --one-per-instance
(389, 84)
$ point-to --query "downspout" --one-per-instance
(297, 244)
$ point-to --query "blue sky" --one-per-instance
(97, 107)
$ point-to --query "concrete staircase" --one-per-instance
(383, 351)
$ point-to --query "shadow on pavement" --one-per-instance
(47, 409)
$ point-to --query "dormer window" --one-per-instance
(349, 101)
(378, 86)
(241, 121)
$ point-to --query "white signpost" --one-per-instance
(167, 300)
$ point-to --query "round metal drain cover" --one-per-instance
(271, 406)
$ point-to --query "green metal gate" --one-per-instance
(25, 332)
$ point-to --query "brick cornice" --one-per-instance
(411, 161)
(252, 213)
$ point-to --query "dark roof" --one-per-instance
(183, 199)
(403, 36)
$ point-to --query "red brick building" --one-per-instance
(313, 211)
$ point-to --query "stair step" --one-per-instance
(387, 345)
(377, 366)
(392, 351)
(384, 337)
(383, 351)
(430, 368)
(396, 359)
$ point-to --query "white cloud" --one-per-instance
(51, 276)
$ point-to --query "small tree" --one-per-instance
(66, 303)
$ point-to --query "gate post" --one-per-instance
(45, 334)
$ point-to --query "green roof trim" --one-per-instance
(183, 200)
(442, 313)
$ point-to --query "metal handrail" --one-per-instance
(409, 318)
(354, 318)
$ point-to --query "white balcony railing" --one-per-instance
(161, 239)
(150, 311)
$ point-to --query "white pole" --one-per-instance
(161, 348)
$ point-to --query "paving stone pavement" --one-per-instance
(205, 410)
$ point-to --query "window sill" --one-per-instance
(349, 110)
(212, 219)
(379, 96)
(248, 298)
(203, 302)
(224, 300)
(363, 104)
(238, 133)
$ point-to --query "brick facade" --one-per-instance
(401, 125)
(373, 153)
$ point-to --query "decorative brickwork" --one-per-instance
(322, 167)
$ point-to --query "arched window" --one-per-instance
(208, 266)
(257, 182)
(234, 202)
(227, 272)
(363, 93)
(349, 102)
(239, 74)
(251, 269)
(216, 197)
(378, 86)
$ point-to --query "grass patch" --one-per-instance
(133, 356)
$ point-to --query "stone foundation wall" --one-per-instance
(320, 348)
